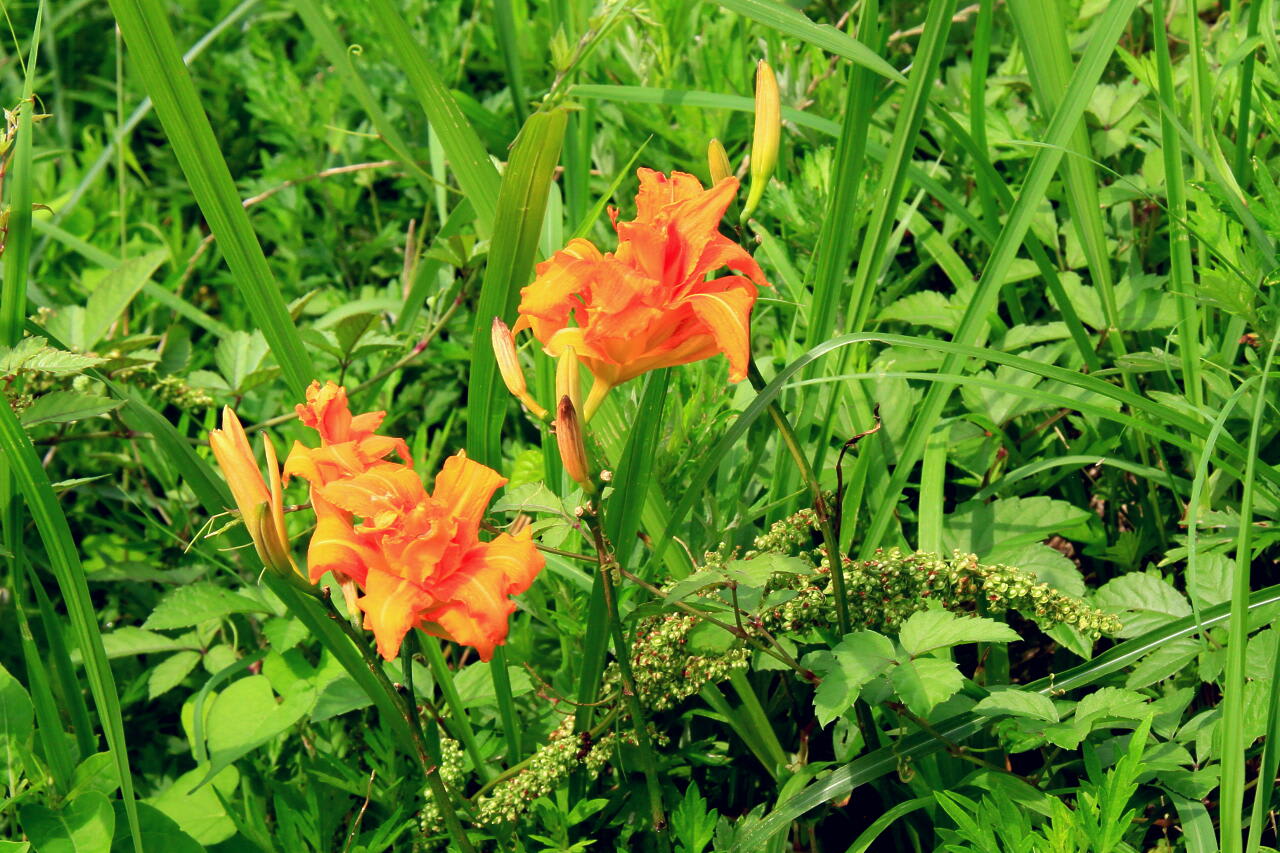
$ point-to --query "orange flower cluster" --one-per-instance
(649, 304)
(417, 557)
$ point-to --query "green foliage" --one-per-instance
(1032, 246)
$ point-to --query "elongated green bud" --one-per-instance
(767, 138)
(718, 162)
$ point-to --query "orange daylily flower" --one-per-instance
(261, 506)
(417, 557)
(649, 304)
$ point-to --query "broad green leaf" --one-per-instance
(199, 813)
(1018, 703)
(97, 772)
(1163, 662)
(846, 669)
(246, 715)
(926, 630)
(86, 825)
(1143, 600)
(61, 407)
(1006, 523)
(170, 672)
(131, 640)
(113, 294)
(17, 716)
(159, 831)
(187, 606)
(923, 683)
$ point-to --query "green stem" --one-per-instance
(829, 536)
(457, 711)
(638, 720)
(430, 763)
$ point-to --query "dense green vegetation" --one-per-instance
(1015, 364)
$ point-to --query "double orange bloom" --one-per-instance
(417, 557)
(649, 304)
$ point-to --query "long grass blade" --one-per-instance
(791, 22)
(521, 207)
(146, 30)
(470, 162)
(42, 503)
(1106, 34)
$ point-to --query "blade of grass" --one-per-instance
(140, 112)
(54, 531)
(792, 22)
(17, 245)
(64, 669)
(504, 20)
(1234, 739)
(955, 729)
(906, 130)
(521, 206)
(622, 516)
(49, 728)
(1181, 277)
(1244, 115)
(831, 260)
(1106, 34)
(146, 30)
(476, 175)
(335, 50)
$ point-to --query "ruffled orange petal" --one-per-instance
(466, 487)
(727, 316)
(391, 606)
(336, 546)
(477, 603)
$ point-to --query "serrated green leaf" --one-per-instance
(60, 407)
(846, 669)
(926, 630)
(34, 354)
(114, 293)
(187, 606)
(923, 683)
(1143, 600)
(170, 672)
(1018, 703)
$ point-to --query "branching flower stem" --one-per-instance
(638, 719)
(774, 649)
(431, 769)
(829, 538)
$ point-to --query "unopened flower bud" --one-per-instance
(504, 350)
(573, 452)
(261, 505)
(718, 162)
(767, 137)
(568, 378)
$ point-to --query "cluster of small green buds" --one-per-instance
(788, 535)
(429, 818)
(665, 672)
(543, 772)
(885, 590)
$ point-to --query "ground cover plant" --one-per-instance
(734, 426)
